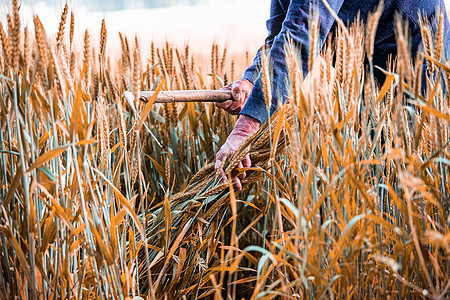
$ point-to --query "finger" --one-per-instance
(235, 106)
(225, 88)
(224, 177)
(240, 166)
(238, 94)
(235, 111)
(246, 162)
(224, 105)
(237, 90)
(237, 87)
(237, 186)
(238, 103)
(219, 158)
(218, 165)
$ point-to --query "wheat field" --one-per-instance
(348, 196)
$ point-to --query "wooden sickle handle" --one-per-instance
(187, 96)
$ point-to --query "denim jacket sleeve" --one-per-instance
(278, 9)
(294, 27)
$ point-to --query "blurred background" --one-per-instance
(146, 4)
(237, 24)
(130, 4)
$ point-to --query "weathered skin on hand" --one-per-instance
(244, 128)
(240, 91)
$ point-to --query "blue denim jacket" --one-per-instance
(290, 18)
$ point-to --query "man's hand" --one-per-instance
(244, 128)
(240, 90)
